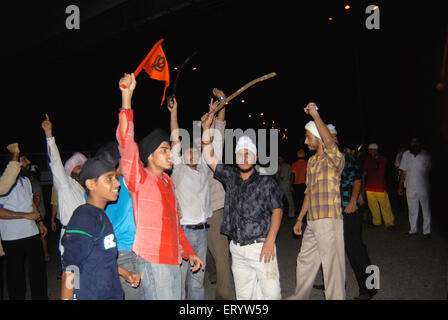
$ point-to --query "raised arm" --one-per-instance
(60, 178)
(218, 93)
(325, 134)
(207, 149)
(11, 172)
(130, 164)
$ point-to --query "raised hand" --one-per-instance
(218, 93)
(172, 103)
(47, 126)
(127, 83)
(14, 149)
(310, 108)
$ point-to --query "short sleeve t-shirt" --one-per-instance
(90, 250)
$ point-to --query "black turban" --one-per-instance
(151, 142)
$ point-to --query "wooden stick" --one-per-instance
(223, 102)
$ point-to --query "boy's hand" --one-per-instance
(47, 126)
(127, 84)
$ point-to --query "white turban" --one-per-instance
(373, 146)
(311, 127)
(245, 142)
(74, 161)
(332, 129)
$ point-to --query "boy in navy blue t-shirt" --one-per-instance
(90, 254)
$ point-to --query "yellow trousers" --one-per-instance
(379, 204)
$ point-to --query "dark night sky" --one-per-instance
(73, 76)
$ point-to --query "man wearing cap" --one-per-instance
(323, 239)
(252, 217)
(376, 189)
(70, 194)
(160, 243)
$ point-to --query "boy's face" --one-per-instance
(245, 159)
(161, 157)
(106, 186)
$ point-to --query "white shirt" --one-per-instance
(417, 170)
(192, 190)
(70, 192)
(217, 192)
(19, 199)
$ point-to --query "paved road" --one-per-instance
(410, 268)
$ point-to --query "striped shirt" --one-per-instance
(323, 178)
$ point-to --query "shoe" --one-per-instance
(391, 228)
(410, 234)
(428, 235)
(363, 297)
(319, 286)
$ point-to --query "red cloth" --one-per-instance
(375, 180)
(156, 66)
(159, 237)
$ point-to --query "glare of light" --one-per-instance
(331, 19)
(347, 7)
(375, 7)
(242, 101)
(264, 123)
(194, 69)
(273, 121)
(250, 116)
(262, 114)
(175, 68)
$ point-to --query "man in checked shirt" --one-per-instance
(323, 239)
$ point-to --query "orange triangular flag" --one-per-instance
(156, 66)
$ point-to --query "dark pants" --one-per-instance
(356, 250)
(299, 195)
(16, 253)
(2, 258)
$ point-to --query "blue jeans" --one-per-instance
(126, 260)
(160, 281)
(198, 241)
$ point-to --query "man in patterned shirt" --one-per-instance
(252, 217)
(354, 246)
(323, 239)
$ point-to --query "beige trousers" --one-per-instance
(322, 243)
(218, 245)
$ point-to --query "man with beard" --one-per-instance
(21, 241)
(69, 191)
(415, 167)
(323, 239)
(252, 217)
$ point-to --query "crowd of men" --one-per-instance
(138, 217)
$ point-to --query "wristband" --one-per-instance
(39, 220)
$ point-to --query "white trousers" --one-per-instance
(254, 280)
(322, 244)
(415, 197)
